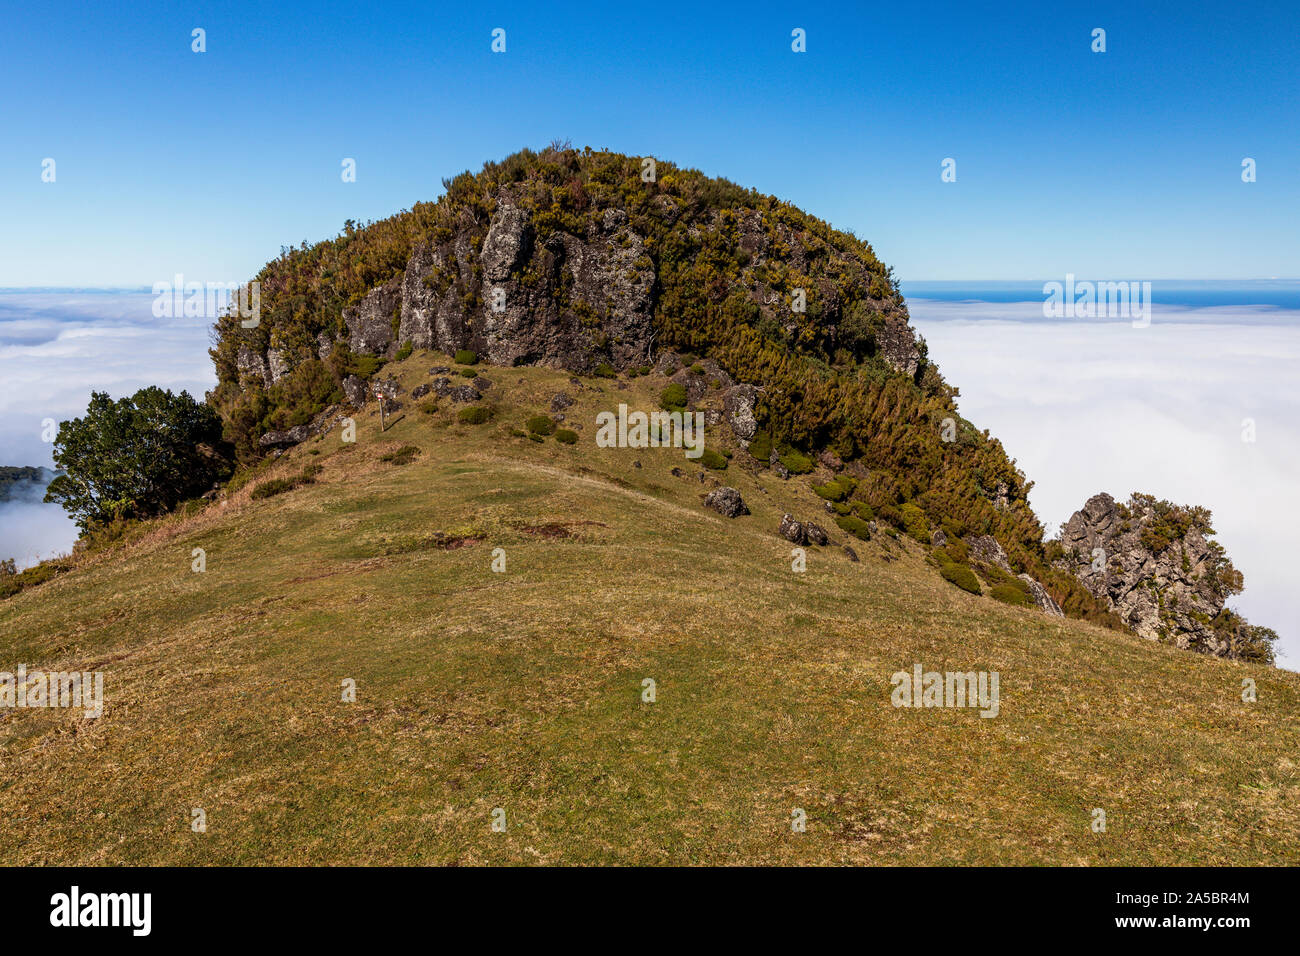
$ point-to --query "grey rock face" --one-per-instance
(293, 436)
(1172, 593)
(252, 364)
(738, 405)
(898, 346)
(726, 502)
(370, 321)
(985, 548)
(354, 389)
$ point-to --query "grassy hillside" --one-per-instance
(522, 690)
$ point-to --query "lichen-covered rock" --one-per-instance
(560, 401)
(738, 405)
(816, 534)
(252, 364)
(699, 377)
(726, 502)
(370, 321)
(898, 344)
(1150, 563)
(464, 393)
(354, 389)
(792, 531)
(292, 436)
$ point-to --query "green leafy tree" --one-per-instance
(136, 457)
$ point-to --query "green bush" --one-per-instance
(466, 357)
(1010, 594)
(605, 370)
(842, 508)
(540, 425)
(760, 447)
(405, 351)
(863, 511)
(466, 373)
(711, 459)
(837, 489)
(673, 398)
(796, 462)
(473, 415)
(962, 576)
(566, 436)
(915, 523)
(429, 407)
(854, 526)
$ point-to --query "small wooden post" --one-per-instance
(383, 424)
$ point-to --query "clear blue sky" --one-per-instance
(1117, 165)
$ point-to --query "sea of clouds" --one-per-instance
(1089, 406)
(55, 349)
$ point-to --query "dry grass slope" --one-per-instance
(522, 689)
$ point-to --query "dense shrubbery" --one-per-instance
(854, 526)
(473, 415)
(1011, 594)
(566, 436)
(466, 357)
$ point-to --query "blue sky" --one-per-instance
(1117, 165)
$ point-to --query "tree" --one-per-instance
(137, 457)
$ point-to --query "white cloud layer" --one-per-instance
(1102, 406)
(55, 349)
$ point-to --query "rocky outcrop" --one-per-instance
(1044, 601)
(370, 322)
(1150, 563)
(726, 502)
(738, 405)
(898, 345)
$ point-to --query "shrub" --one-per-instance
(605, 370)
(566, 436)
(697, 369)
(466, 357)
(854, 526)
(796, 462)
(958, 549)
(466, 373)
(837, 489)
(673, 398)
(275, 486)
(540, 425)
(473, 415)
(863, 511)
(711, 459)
(404, 352)
(403, 456)
(962, 576)
(1010, 594)
(761, 446)
(429, 407)
(915, 523)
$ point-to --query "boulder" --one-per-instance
(726, 502)
(370, 321)
(738, 405)
(792, 530)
